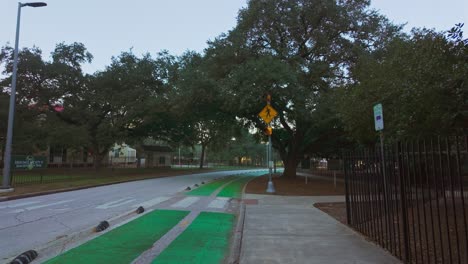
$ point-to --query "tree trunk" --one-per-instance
(202, 157)
(97, 161)
(291, 158)
(290, 166)
(239, 161)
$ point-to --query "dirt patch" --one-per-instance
(296, 186)
(335, 210)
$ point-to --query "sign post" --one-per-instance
(267, 114)
(379, 126)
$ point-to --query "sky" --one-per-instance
(108, 27)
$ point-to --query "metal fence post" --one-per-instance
(348, 208)
(404, 207)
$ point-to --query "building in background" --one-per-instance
(156, 156)
(122, 155)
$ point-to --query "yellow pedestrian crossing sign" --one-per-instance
(268, 113)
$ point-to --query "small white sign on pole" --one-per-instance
(378, 117)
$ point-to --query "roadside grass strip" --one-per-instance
(125, 243)
(208, 189)
(234, 189)
(205, 241)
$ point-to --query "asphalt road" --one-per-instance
(32, 222)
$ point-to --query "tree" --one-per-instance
(297, 51)
(197, 103)
(110, 104)
(30, 128)
(241, 144)
(105, 108)
(420, 79)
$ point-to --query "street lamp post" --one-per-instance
(7, 157)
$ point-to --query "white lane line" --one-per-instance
(218, 203)
(105, 205)
(153, 202)
(114, 204)
(18, 204)
(186, 202)
(39, 206)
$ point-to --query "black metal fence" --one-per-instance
(410, 197)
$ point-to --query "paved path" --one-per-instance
(282, 229)
(32, 222)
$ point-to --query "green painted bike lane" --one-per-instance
(125, 243)
(205, 241)
(234, 189)
(208, 189)
(231, 190)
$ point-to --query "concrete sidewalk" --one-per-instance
(288, 229)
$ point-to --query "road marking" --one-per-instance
(115, 203)
(111, 203)
(19, 204)
(153, 202)
(39, 206)
(218, 203)
(186, 202)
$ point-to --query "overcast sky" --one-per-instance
(108, 27)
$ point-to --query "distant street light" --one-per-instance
(7, 157)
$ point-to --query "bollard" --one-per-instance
(140, 210)
(102, 226)
(25, 257)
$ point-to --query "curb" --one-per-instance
(236, 247)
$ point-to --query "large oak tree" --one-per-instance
(297, 51)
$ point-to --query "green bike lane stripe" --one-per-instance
(208, 189)
(234, 189)
(125, 243)
(206, 240)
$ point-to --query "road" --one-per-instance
(32, 222)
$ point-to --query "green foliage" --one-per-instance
(299, 52)
(421, 80)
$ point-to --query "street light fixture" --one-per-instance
(35, 4)
(7, 157)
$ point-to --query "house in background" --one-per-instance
(122, 155)
(156, 156)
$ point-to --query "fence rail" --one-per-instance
(412, 199)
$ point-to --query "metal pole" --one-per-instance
(382, 153)
(271, 187)
(7, 160)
